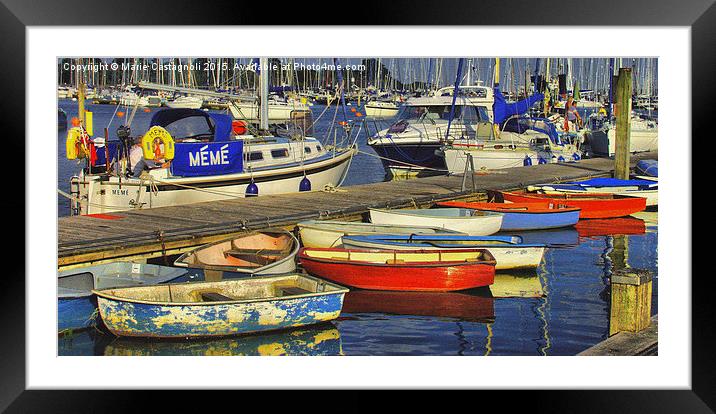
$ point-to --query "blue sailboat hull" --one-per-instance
(410, 156)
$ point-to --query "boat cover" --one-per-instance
(503, 110)
(605, 182)
(219, 123)
(615, 182)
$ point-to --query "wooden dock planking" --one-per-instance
(645, 342)
(84, 240)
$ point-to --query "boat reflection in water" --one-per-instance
(83, 342)
(610, 227)
(319, 340)
(563, 237)
(466, 305)
(524, 284)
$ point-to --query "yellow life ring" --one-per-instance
(151, 141)
(76, 144)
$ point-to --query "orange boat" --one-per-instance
(593, 205)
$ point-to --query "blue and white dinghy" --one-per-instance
(76, 305)
(509, 251)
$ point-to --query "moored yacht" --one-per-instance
(408, 146)
(381, 109)
(203, 157)
(520, 142)
(279, 111)
(601, 135)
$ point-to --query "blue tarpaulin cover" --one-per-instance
(614, 182)
(503, 110)
(605, 182)
(198, 159)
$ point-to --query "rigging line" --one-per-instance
(401, 162)
(77, 199)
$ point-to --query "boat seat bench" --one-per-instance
(291, 291)
(215, 297)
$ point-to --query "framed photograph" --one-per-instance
(439, 199)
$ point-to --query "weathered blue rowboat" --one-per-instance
(509, 251)
(214, 309)
(76, 305)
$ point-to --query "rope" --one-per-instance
(80, 201)
(402, 162)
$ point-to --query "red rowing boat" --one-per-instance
(411, 270)
(593, 205)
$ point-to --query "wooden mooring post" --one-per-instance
(469, 169)
(623, 132)
(630, 309)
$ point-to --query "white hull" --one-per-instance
(109, 196)
(507, 257)
(603, 143)
(495, 159)
(329, 235)
(186, 102)
(276, 112)
(377, 112)
(473, 226)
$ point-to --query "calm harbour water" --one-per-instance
(566, 311)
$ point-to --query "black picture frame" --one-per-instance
(15, 15)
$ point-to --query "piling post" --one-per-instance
(630, 309)
(81, 94)
(623, 131)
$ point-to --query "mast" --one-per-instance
(263, 95)
(81, 93)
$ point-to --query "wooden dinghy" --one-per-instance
(411, 270)
(76, 304)
(593, 205)
(329, 233)
(257, 253)
(471, 222)
(526, 216)
(508, 251)
(647, 189)
(213, 309)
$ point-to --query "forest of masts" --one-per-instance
(386, 74)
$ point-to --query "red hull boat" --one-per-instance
(402, 270)
(593, 205)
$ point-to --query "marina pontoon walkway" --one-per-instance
(162, 231)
